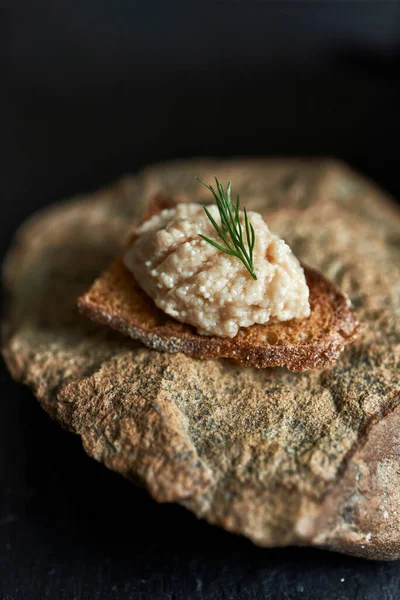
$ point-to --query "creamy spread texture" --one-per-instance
(194, 282)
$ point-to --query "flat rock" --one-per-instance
(282, 458)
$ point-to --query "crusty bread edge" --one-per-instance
(296, 357)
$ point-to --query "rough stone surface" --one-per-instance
(283, 458)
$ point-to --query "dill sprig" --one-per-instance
(231, 230)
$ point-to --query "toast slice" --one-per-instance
(115, 299)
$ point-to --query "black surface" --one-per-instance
(92, 90)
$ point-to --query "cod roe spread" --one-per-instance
(194, 282)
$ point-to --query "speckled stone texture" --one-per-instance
(282, 458)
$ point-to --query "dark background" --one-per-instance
(90, 90)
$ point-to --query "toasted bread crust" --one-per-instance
(116, 300)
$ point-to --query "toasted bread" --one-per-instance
(116, 300)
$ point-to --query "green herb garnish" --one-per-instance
(231, 229)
